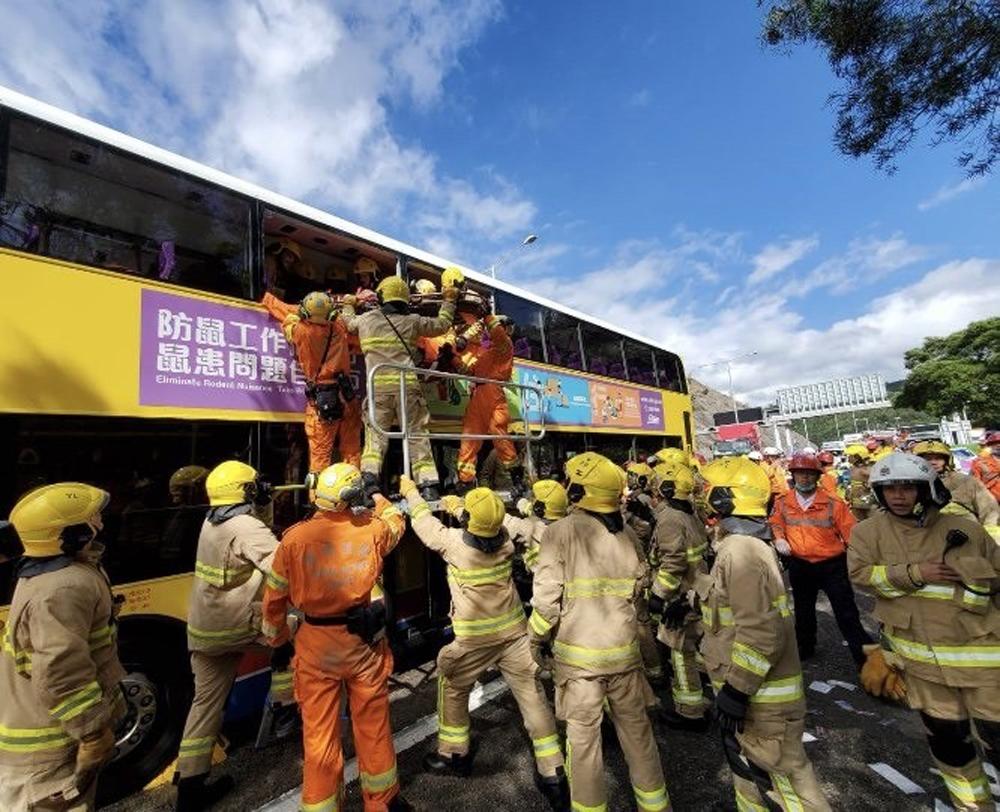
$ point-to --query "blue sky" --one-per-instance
(682, 179)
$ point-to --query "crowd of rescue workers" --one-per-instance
(659, 577)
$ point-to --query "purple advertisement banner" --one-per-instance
(651, 410)
(198, 354)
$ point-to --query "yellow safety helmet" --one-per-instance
(673, 480)
(639, 476)
(551, 501)
(452, 277)
(58, 518)
(366, 266)
(186, 479)
(293, 248)
(484, 511)
(595, 482)
(231, 483)
(737, 487)
(339, 487)
(317, 307)
(933, 448)
(858, 451)
(425, 287)
(392, 289)
(671, 454)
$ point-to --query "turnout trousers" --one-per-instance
(48, 788)
(214, 673)
(775, 746)
(487, 413)
(946, 713)
(461, 664)
(387, 413)
(329, 660)
(807, 579)
(581, 702)
(685, 679)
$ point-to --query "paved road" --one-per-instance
(849, 731)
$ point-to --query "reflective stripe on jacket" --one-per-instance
(232, 561)
(681, 543)
(584, 591)
(749, 637)
(815, 533)
(59, 668)
(970, 497)
(945, 633)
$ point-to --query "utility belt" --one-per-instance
(367, 622)
(329, 398)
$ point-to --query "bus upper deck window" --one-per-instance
(75, 199)
(604, 351)
(562, 340)
(528, 317)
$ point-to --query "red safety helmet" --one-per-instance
(825, 457)
(805, 462)
(991, 438)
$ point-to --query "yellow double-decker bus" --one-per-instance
(132, 345)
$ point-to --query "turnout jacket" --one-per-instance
(943, 633)
(59, 671)
(485, 607)
(749, 630)
(584, 596)
(969, 497)
(381, 345)
(233, 559)
(527, 533)
(681, 543)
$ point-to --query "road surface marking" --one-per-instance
(897, 779)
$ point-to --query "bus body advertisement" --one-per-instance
(132, 345)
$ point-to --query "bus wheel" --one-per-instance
(158, 690)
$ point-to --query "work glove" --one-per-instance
(879, 678)
(119, 706)
(453, 505)
(525, 506)
(783, 547)
(731, 709)
(541, 653)
(676, 613)
(450, 294)
(350, 301)
(288, 325)
(408, 488)
(94, 751)
(656, 605)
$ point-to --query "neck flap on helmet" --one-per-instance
(485, 545)
(615, 522)
(757, 527)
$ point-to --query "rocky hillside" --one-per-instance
(708, 401)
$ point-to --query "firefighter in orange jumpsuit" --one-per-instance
(487, 412)
(321, 346)
(987, 469)
(326, 567)
(828, 479)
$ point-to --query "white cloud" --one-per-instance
(294, 94)
(949, 192)
(775, 257)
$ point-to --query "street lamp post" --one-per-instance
(528, 240)
(729, 371)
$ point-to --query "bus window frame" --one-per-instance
(541, 309)
(10, 115)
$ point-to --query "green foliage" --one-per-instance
(826, 428)
(959, 370)
(907, 65)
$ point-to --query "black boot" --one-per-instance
(462, 488)
(517, 489)
(555, 788)
(676, 721)
(400, 804)
(454, 764)
(429, 492)
(370, 483)
(194, 795)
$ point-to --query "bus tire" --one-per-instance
(158, 689)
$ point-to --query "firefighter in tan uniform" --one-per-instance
(60, 698)
(639, 516)
(681, 544)
(489, 625)
(749, 648)
(548, 504)
(235, 550)
(969, 496)
(859, 493)
(389, 334)
(584, 609)
(935, 577)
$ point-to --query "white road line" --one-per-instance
(897, 779)
(420, 730)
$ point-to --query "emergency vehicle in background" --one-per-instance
(135, 356)
(736, 439)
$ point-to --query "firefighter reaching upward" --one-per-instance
(60, 698)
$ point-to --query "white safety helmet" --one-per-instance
(809, 450)
(900, 468)
(755, 455)
(771, 451)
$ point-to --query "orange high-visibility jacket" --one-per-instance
(987, 471)
(817, 533)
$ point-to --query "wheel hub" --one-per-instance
(140, 697)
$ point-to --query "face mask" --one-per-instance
(805, 489)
